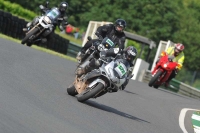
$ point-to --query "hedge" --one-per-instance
(16, 9)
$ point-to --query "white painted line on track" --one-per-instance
(182, 117)
(196, 117)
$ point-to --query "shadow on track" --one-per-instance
(176, 94)
(130, 92)
(112, 110)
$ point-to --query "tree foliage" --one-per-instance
(188, 33)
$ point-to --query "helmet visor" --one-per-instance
(63, 7)
(119, 28)
(177, 50)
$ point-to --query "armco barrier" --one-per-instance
(73, 49)
(175, 85)
(189, 91)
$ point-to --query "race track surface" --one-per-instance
(33, 99)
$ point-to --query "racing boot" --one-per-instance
(80, 71)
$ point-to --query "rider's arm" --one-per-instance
(44, 9)
(167, 52)
(62, 22)
(108, 53)
(102, 30)
(121, 43)
(180, 61)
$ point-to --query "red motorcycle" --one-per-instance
(162, 70)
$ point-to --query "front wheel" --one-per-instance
(155, 78)
(28, 35)
(90, 93)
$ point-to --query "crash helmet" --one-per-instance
(120, 25)
(130, 53)
(178, 48)
(63, 6)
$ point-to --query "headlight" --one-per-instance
(101, 47)
(165, 65)
(46, 19)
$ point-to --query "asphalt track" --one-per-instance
(33, 99)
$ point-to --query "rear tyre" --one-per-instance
(90, 93)
(156, 86)
(29, 44)
(155, 78)
(71, 90)
(29, 35)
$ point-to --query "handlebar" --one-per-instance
(89, 38)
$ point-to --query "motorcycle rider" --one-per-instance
(61, 21)
(128, 53)
(113, 31)
(177, 53)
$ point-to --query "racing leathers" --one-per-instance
(109, 31)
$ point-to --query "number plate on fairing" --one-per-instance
(121, 69)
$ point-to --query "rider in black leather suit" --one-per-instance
(115, 32)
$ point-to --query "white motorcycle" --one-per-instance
(42, 26)
(108, 78)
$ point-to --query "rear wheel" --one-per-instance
(71, 90)
(155, 78)
(90, 92)
(29, 35)
(156, 86)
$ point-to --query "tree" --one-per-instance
(189, 27)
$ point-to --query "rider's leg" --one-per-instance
(80, 71)
(84, 49)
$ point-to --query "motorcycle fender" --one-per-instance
(97, 81)
(36, 26)
(92, 74)
(121, 82)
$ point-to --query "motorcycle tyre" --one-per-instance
(71, 90)
(156, 86)
(29, 35)
(29, 44)
(155, 78)
(90, 93)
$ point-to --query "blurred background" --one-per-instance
(177, 20)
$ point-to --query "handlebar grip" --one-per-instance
(89, 38)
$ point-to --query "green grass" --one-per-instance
(40, 48)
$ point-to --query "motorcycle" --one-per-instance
(162, 70)
(107, 78)
(42, 26)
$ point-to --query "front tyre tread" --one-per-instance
(155, 78)
(91, 93)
